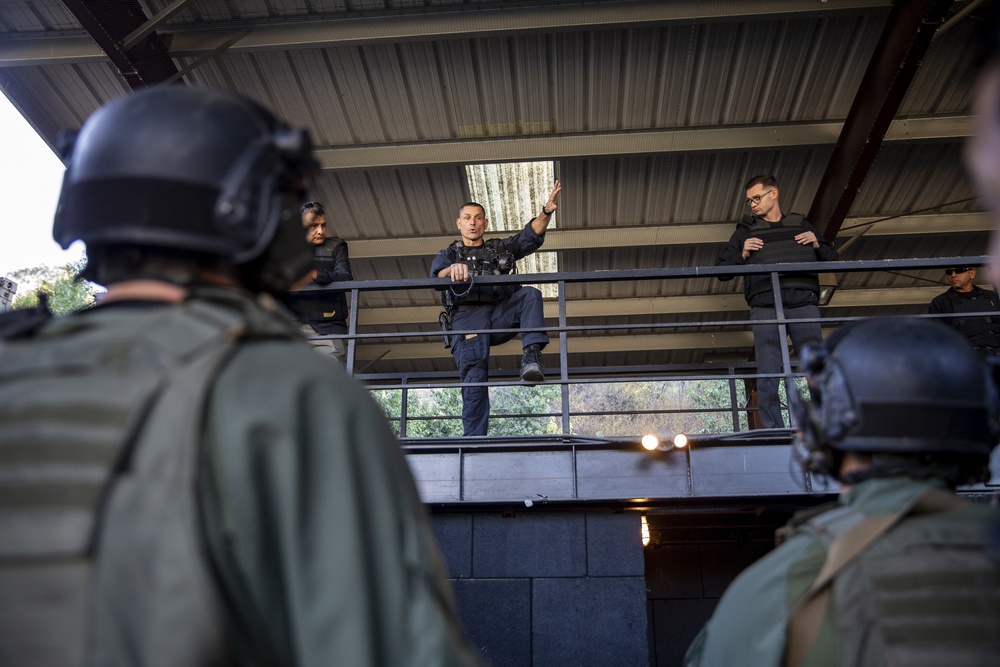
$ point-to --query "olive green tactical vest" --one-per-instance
(101, 557)
(925, 593)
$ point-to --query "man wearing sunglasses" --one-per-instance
(323, 313)
(964, 299)
(768, 236)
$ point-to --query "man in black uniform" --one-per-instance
(184, 481)
(966, 297)
(770, 237)
(323, 313)
(503, 307)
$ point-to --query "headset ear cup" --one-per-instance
(815, 456)
(819, 461)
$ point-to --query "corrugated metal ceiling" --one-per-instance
(655, 112)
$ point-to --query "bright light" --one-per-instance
(650, 441)
(680, 440)
(645, 531)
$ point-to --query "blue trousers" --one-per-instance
(472, 351)
(767, 347)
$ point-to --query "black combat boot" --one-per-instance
(531, 365)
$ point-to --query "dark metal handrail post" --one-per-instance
(779, 313)
(563, 357)
(732, 400)
(352, 330)
(404, 398)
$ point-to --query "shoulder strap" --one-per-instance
(454, 251)
(808, 615)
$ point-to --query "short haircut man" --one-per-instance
(469, 307)
(193, 485)
(967, 301)
(323, 313)
(768, 236)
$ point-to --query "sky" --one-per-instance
(30, 177)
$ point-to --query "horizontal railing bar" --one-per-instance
(615, 275)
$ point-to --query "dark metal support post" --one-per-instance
(352, 330)
(403, 407)
(732, 399)
(779, 313)
(145, 61)
(563, 357)
(905, 39)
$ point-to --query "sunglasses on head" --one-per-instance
(957, 269)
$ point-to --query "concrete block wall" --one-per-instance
(549, 589)
(685, 583)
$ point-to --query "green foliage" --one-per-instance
(437, 413)
(672, 405)
(682, 406)
(715, 394)
(524, 401)
(66, 293)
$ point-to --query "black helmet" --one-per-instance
(188, 169)
(903, 387)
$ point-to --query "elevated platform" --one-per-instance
(562, 472)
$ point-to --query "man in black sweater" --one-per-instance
(771, 237)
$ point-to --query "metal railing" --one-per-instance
(739, 414)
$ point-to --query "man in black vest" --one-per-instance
(185, 481)
(966, 297)
(502, 307)
(323, 313)
(770, 237)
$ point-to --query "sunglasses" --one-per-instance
(957, 269)
(311, 206)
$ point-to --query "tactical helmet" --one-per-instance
(896, 386)
(187, 169)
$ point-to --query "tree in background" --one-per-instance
(620, 408)
(437, 413)
(66, 292)
(633, 408)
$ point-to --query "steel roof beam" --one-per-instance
(677, 234)
(150, 26)
(637, 142)
(904, 42)
(109, 24)
(423, 25)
